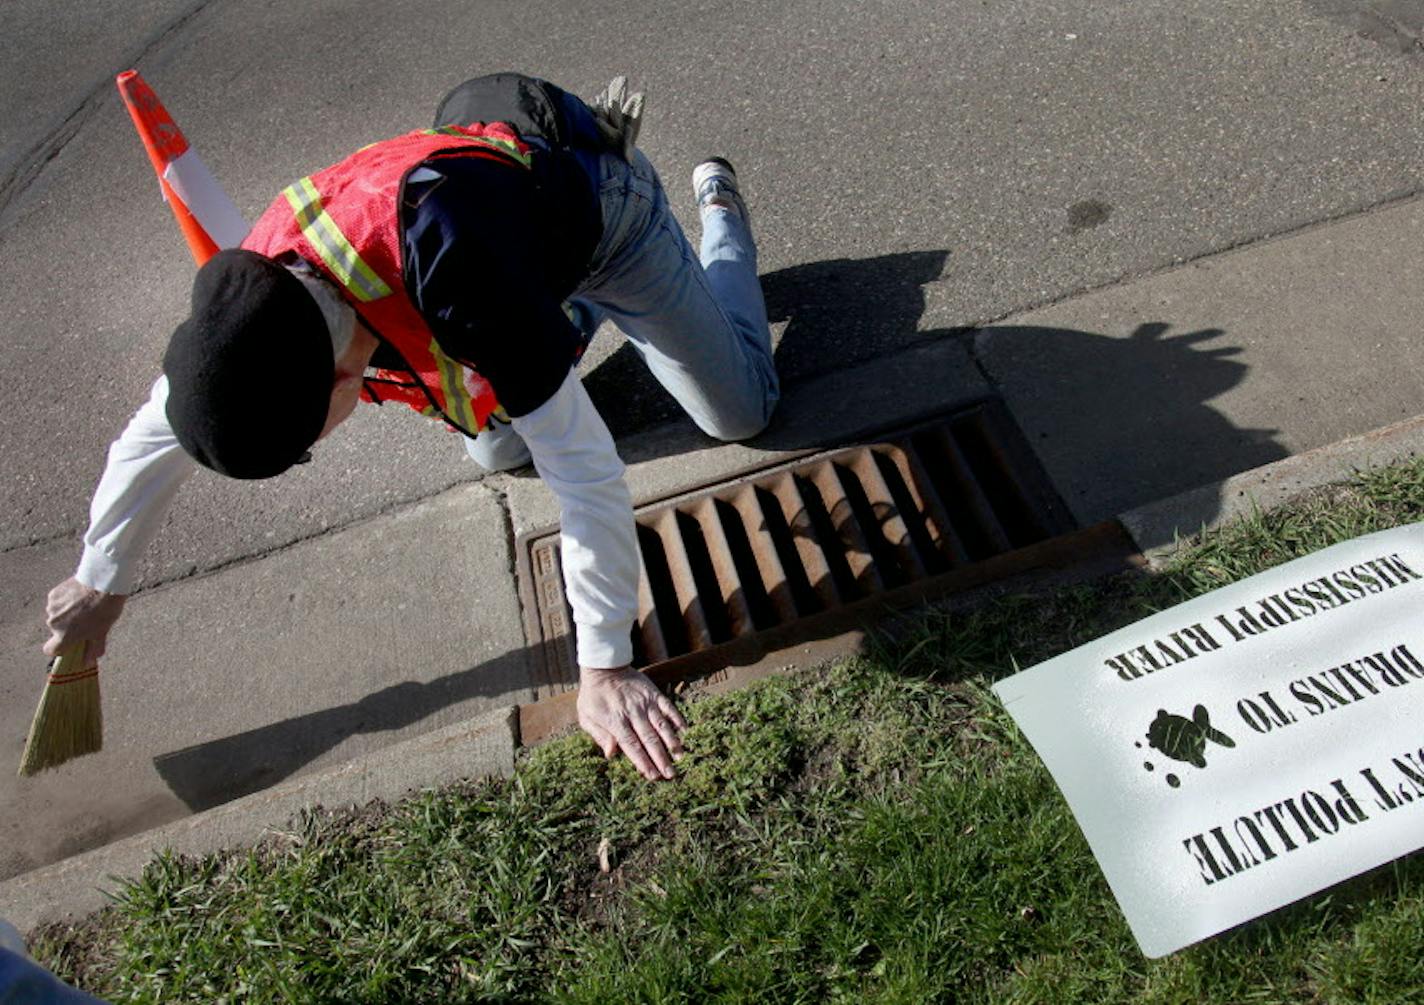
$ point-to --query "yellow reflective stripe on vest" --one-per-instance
(331, 244)
(452, 382)
(505, 147)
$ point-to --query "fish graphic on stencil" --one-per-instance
(1183, 739)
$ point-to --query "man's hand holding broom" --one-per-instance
(77, 613)
(69, 721)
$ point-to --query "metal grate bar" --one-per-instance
(545, 580)
(857, 551)
(773, 574)
(734, 594)
(650, 627)
(971, 492)
(1042, 518)
(807, 542)
(693, 616)
(887, 513)
(927, 502)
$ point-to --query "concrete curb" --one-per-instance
(1161, 528)
(478, 748)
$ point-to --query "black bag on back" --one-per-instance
(536, 109)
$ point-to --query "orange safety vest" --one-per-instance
(345, 222)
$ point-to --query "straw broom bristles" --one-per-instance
(69, 721)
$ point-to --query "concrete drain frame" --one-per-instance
(811, 547)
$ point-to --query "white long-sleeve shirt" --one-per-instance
(573, 453)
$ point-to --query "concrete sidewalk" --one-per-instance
(318, 656)
(221, 685)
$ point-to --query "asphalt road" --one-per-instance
(913, 168)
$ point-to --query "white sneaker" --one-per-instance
(714, 181)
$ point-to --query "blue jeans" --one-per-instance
(25, 982)
(699, 323)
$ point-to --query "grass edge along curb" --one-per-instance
(876, 831)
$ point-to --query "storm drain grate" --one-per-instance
(762, 552)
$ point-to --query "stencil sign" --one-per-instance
(1249, 747)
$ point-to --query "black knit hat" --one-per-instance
(250, 372)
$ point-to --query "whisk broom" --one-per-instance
(68, 722)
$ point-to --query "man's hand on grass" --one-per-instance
(623, 710)
(78, 613)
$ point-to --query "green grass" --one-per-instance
(875, 831)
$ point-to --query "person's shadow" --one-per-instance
(1123, 420)
(836, 313)
(1118, 418)
(220, 770)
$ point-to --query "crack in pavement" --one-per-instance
(18, 178)
(193, 570)
(41, 542)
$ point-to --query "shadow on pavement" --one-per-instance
(210, 774)
(1118, 419)
(1120, 422)
(837, 313)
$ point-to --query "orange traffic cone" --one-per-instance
(208, 219)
